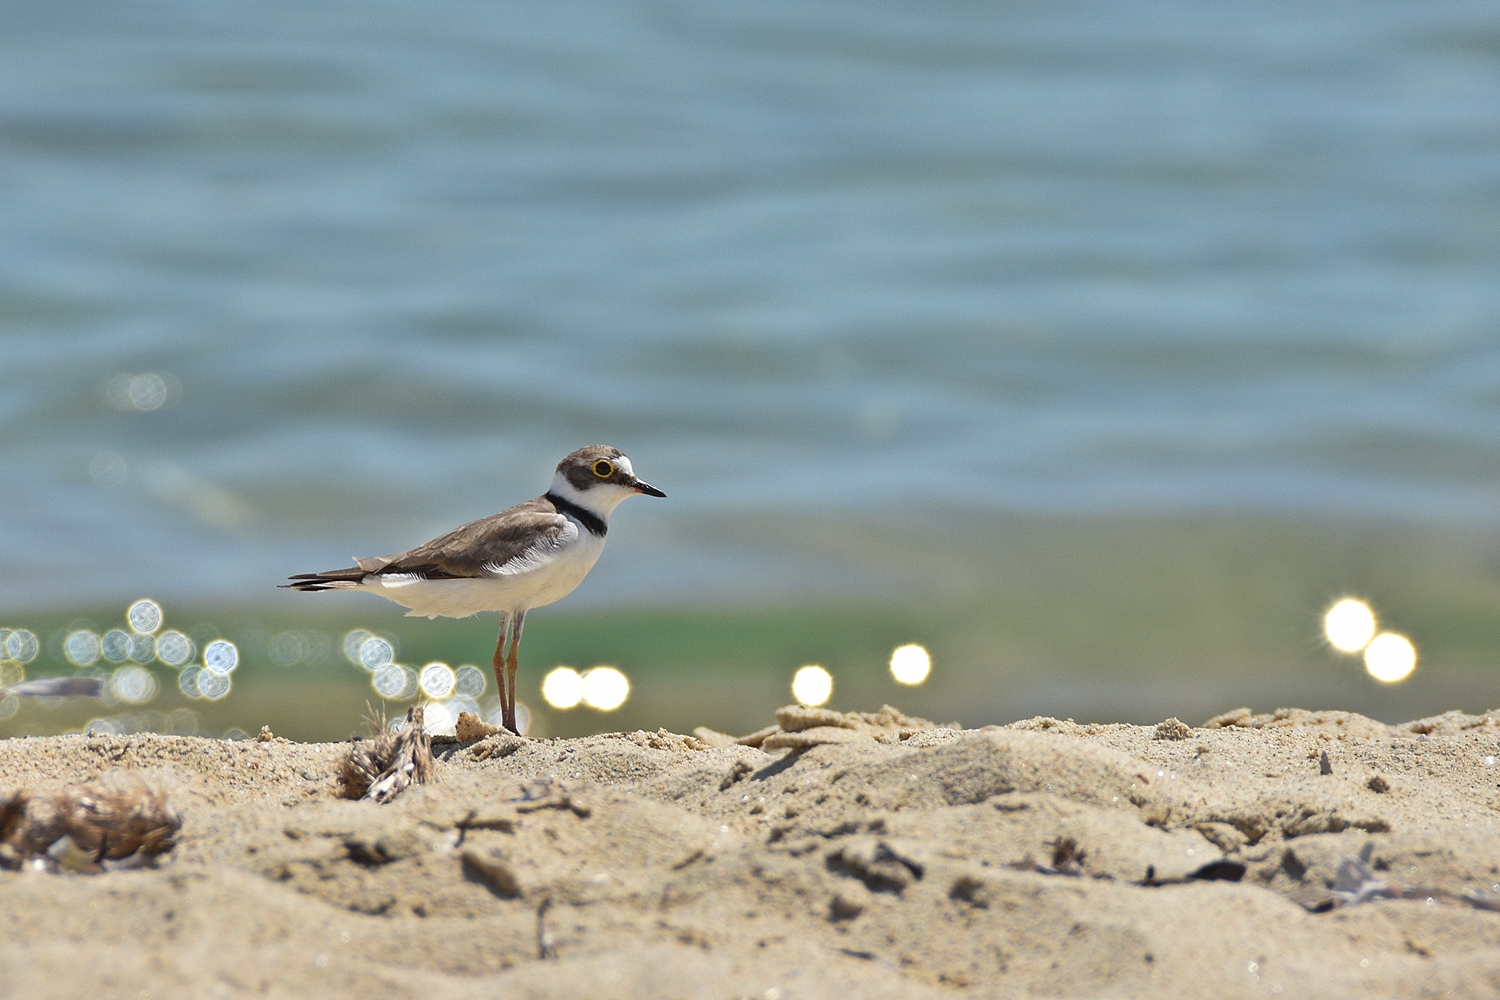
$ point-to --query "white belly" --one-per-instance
(542, 583)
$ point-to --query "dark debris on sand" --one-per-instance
(86, 830)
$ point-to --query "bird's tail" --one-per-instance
(333, 579)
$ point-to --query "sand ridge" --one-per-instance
(893, 858)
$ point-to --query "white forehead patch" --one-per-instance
(623, 464)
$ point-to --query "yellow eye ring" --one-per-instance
(603, 469)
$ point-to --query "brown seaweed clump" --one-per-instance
(87, 830)
(382, 768)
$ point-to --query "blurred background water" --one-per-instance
(1097, 347)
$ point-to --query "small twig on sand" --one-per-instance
(382, 768)
(545, 948)
(1355, 883)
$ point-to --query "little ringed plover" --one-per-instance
(522, 558)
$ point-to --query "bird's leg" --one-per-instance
(499, 664)
(511, 663)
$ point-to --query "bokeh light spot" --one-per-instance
(376, 652)
(182, 722)
(812, 685)
(353, 642)
(135, 685)
(469, 682)
(174, 649)
(459, 704)
(141, 647)
(437, 718)
(605, 688)
(289, 648)
(910, 664)
(148, 392)
(1349, 625)
(143, 392)
(219, 657)
(562, 688)
(1390, 658)
(493, 715)
(388, 681)
(436, 681)
(81, 648)
(187, 682)
(21, 645)
(213, 685)
(115, 645)
(144, 616)
(409, 683)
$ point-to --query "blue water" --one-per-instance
(387, 263)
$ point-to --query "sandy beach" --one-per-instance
(1293, 853)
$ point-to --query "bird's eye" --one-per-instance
(603, 469)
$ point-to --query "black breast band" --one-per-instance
(593, 522)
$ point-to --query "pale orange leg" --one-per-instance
(499, 664)
(511, 663)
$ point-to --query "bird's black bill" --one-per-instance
(648, 489)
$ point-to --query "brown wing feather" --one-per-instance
(490, 541)
(462, 553)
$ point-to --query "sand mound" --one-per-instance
(865, 854)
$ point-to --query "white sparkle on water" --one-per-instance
(213, 686)
(220, 657)
(605, 688)
(812, 685)
(115, 645)
(910, 664)
(135, 685)
(21, 645)
(375, 652)
(469, 681)
(1349, 625)
(82, 648)
(173, 648)
(436, 680)
(562, 688)
(1390, 658)
(144, 616)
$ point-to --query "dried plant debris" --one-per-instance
(1068, 858)
(382, 768)
(87, 830)
(799, 727)
(12, 815)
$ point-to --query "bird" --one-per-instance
(525, 557)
